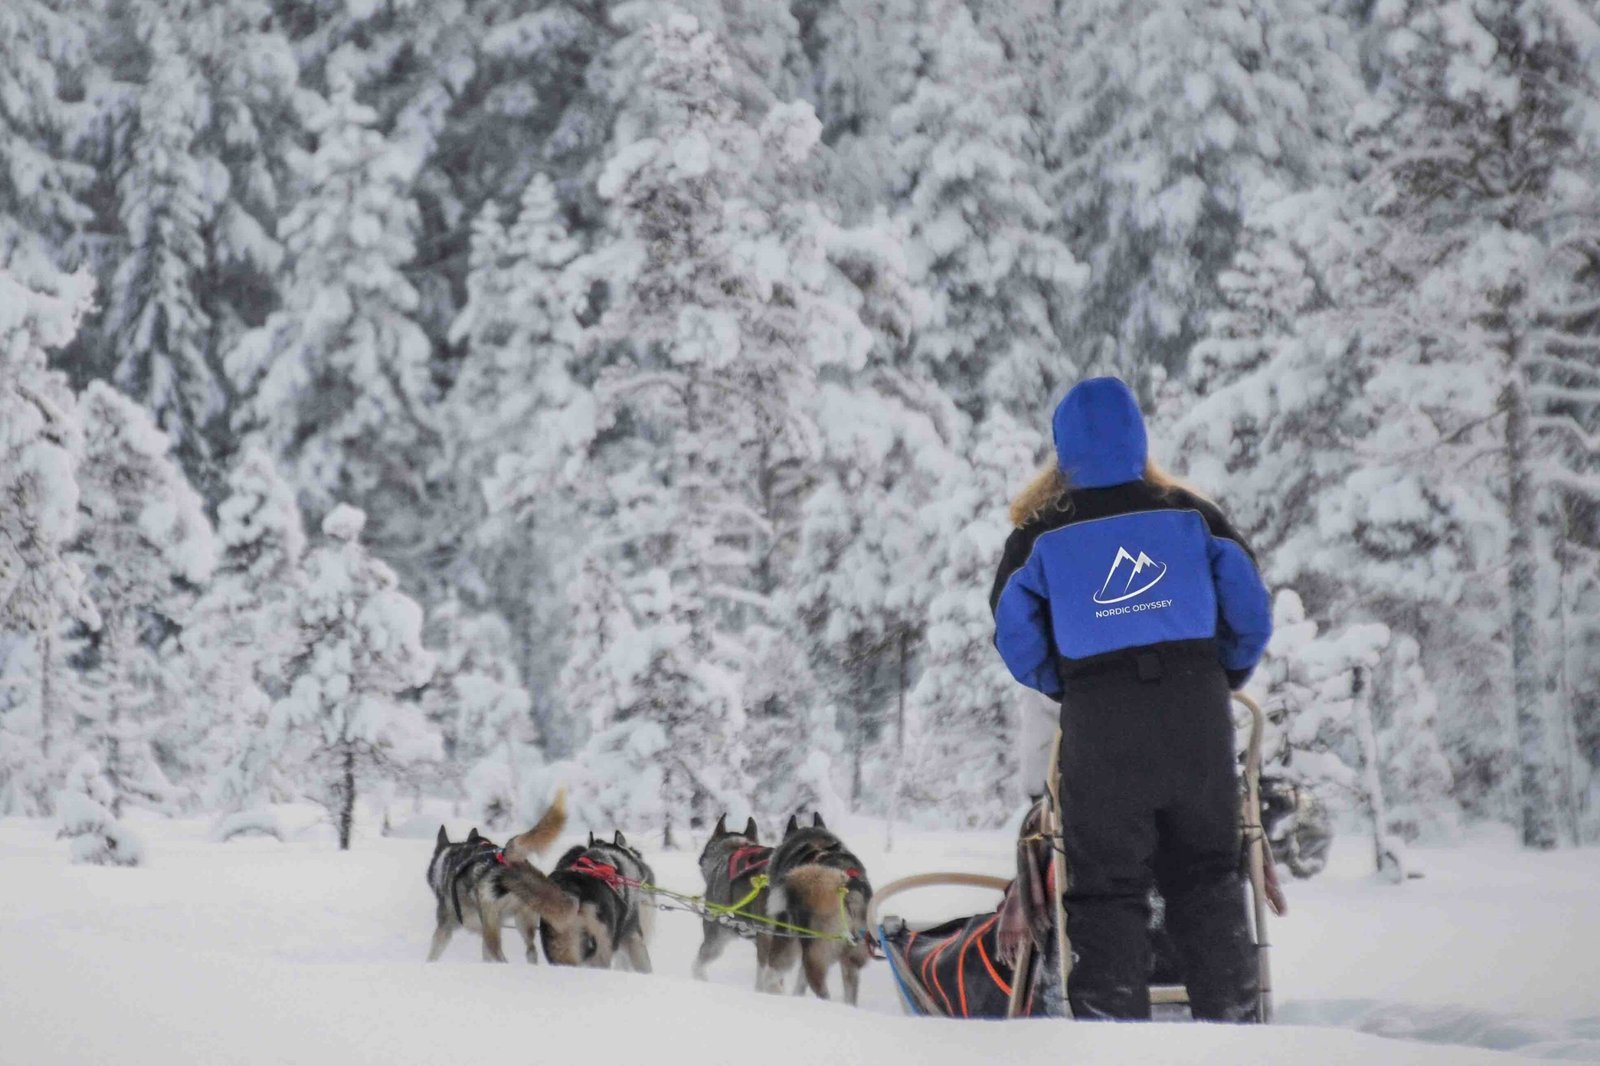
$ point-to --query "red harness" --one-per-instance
(747, 860)
(602, 871)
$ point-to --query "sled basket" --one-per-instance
(953, 969)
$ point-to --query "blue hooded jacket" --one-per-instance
(1124, 564)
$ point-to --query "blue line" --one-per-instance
(899, 981)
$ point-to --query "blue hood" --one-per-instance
(1099, 434)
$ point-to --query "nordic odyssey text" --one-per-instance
(1153, 605)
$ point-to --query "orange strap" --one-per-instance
(933, 961)
(961, 964)
(993, 973)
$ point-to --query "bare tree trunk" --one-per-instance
(902, 681)
(858, 743)
(117, 655)
(1535, 794)
(1386, 853)
(347, 796)
(1563, 685)
(47, 651)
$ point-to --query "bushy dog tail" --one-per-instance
(814, 897)
(544, 833)
(535, 889)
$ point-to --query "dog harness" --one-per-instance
(748, 860)
(602, 871)
(498, 856)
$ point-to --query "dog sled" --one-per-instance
(1014, 962)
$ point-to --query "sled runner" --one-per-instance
(1014, 962)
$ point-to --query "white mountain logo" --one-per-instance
(1119, 582)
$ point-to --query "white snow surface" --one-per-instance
(257, 951)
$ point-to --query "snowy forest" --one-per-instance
(408, 398)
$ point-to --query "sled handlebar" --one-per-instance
(909, 884)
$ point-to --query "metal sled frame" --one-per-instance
(1257, 857)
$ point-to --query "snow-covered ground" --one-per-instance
(261, 952)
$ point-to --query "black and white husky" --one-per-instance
(817, 884)
(730, 863)
(479, 886)
(602, 880)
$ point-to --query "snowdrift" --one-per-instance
(263, 952)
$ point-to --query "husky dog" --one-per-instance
(731, 862)
(601, 880)
(479, 886)
(817, 884)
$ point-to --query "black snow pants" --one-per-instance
(1149, 791)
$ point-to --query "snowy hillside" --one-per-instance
(259, 952)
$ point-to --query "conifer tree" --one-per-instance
(519, 423)
(42, 587)
(41, 183)
(359, 653)
(242, 632)
(980, 242)
(1168, 122)
(336, 381)
(720, 329)
(478, 704)
(157, 326)
(146, 546)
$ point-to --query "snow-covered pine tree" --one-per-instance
(336, 381)
(1574, 619)
(861, 581)
(1001, 286)
(1167, 119)
(184, 118)
(41, 586)
(146, 546)
(241, 633)
(1417, 780)
(41, 184)
(1564, 392)
(359, 654)
(1323, 441)
(482, 712)
(84, 806)
(604, 662)
(720, 329)
(858, 586)
(1002, 291)
(248, 75)
(1320, 686)
(518, 424)
(1578, 629)
(42, 441)
(963, 751)
(157, 330)
(1492, 81)
(863, 59)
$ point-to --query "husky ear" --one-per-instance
(817, 822)
(474, 836)
(751, 831)
(722, 827)
(443, 840)
(618, 840)
(794, 823)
